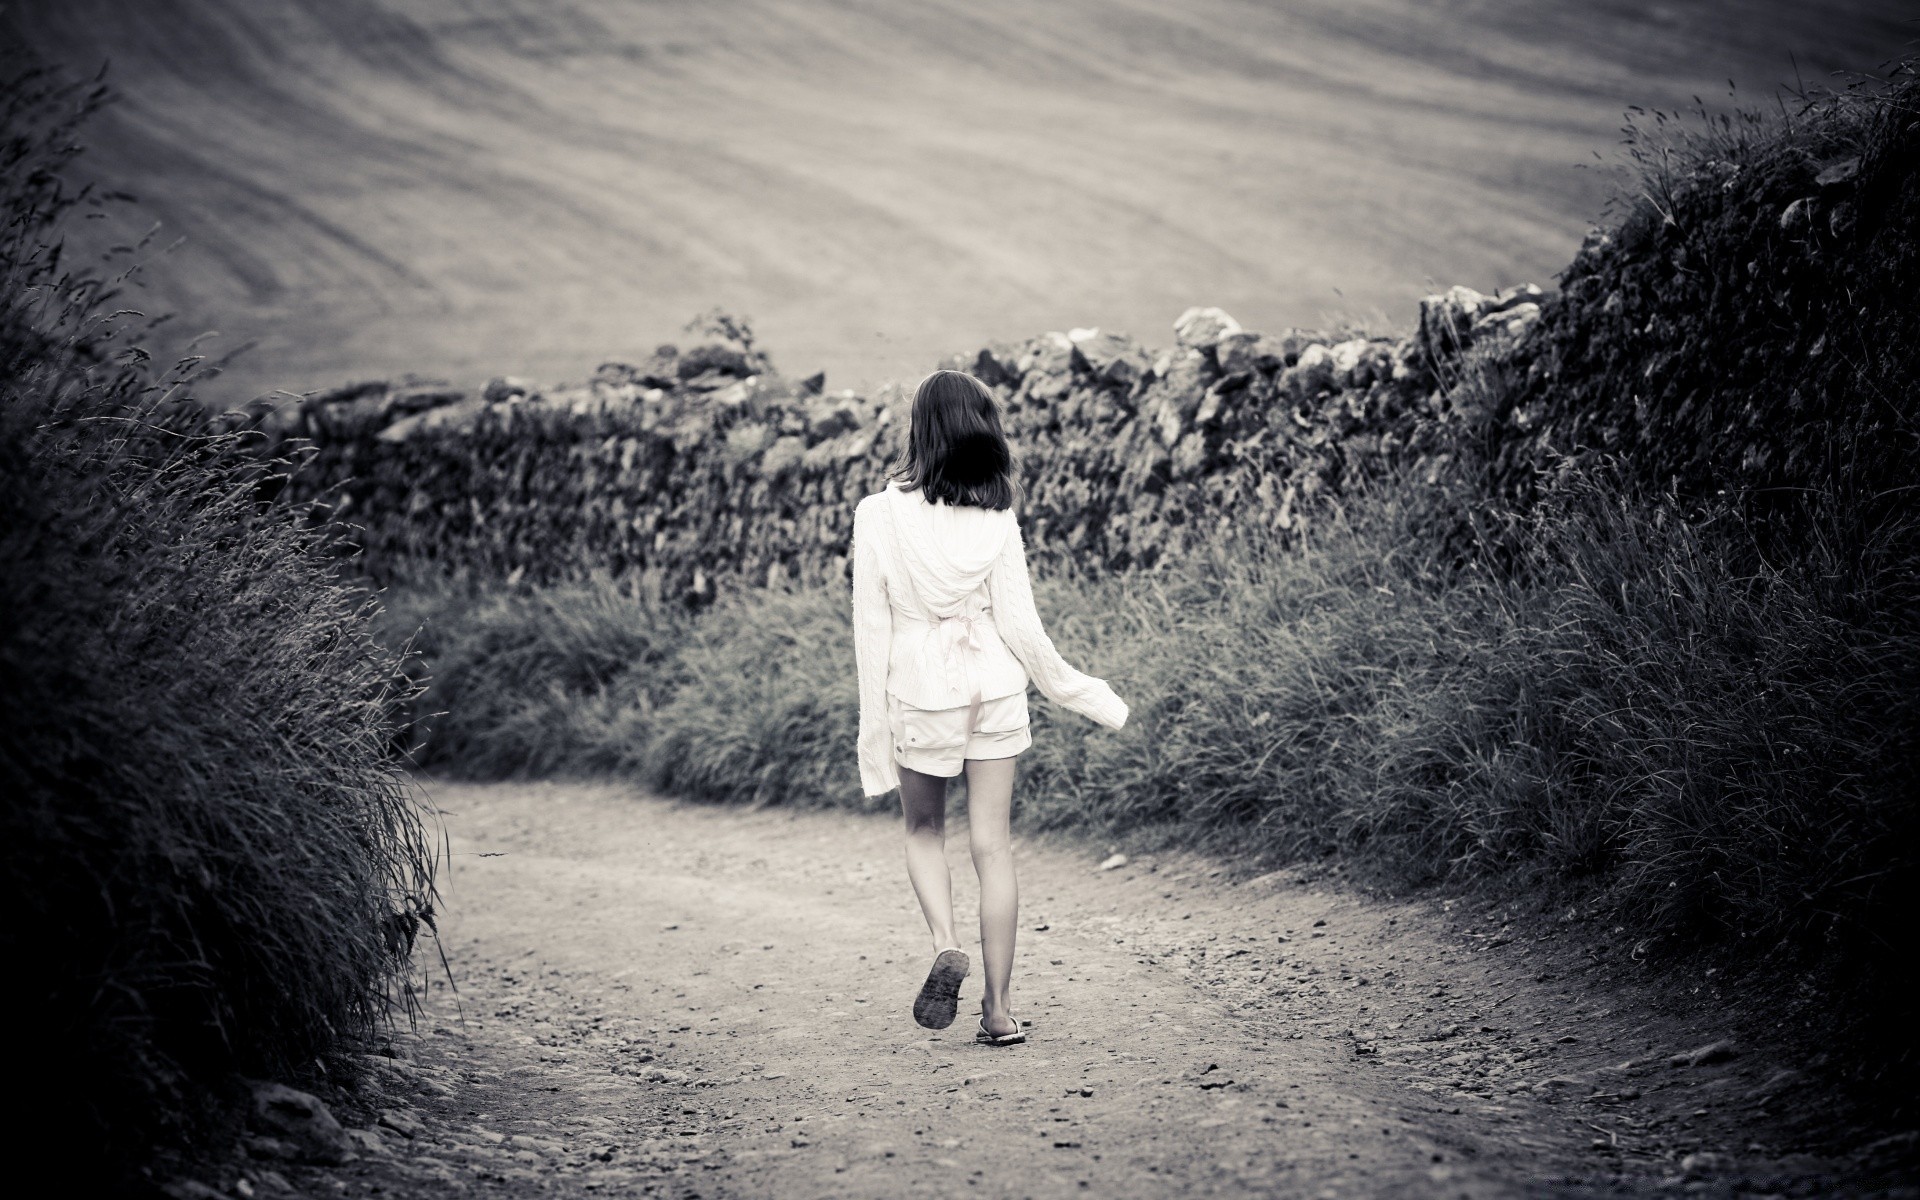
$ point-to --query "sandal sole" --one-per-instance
(1017, 1038)
(939, 997)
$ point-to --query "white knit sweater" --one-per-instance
(943, 615)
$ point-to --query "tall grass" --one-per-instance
(211, 864)
(1638, 708)
(749, 702)
(528, 682)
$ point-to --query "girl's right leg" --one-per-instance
(923, 801)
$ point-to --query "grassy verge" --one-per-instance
(1634, 714)
(211, 865)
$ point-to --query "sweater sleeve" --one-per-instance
(1018, 621)
(872, 643)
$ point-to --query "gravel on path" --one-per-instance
(664, 999)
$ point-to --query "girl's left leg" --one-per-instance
(989, 807)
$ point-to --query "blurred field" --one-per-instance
(461, 187)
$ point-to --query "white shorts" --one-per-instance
(937, 741)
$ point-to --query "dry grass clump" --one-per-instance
(751, 702)
(211, 863)
(528, 682)
(768, 708)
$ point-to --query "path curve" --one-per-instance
(665, 999)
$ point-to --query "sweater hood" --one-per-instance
(946, 551)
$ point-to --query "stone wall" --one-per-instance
(705, 467)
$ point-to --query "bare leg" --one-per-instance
(923, 800)
(989, 805)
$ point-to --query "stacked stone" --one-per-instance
(705, 468)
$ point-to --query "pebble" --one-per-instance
(1703, 1163)
(302, 1121)
(368, 1141)
(1712, 1052)
(523, 1141)
(402, 1122)
(269, 1148)
(1839, 173)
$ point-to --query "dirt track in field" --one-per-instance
(662, 999)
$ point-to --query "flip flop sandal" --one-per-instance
(988, 1038)
(939, 996)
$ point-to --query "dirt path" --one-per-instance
(663, 999)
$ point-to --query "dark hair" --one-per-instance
(956, 451)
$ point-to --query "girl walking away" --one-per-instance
(947, 639)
